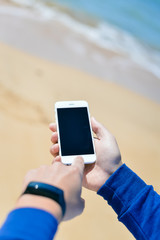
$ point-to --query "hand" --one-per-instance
(108, 158)
(67, 178)
(107, 152)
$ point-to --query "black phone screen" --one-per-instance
(74, 130)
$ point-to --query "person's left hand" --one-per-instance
(67, 178)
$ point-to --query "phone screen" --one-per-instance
(74, 131)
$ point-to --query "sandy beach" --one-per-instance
(29, 87)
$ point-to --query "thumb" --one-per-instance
(97, 128)
(79, 163)
(81, 205)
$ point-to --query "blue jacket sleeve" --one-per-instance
(136, 203)
(27, 224)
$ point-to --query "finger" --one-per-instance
(54, 150)
(79, 163)
(54, 137)
(53, 127)
(56, 159)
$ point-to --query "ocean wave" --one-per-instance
(104, 35)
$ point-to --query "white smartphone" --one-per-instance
(74, 131)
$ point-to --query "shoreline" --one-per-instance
(55, 42)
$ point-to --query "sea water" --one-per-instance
(140, 18)
(130, 27)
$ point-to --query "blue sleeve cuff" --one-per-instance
(121, 188)
(29, 223)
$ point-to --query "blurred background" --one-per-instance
(106, 52)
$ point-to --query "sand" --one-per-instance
(29, 87)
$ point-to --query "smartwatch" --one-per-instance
(49, 191)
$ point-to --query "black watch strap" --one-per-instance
(46, 190)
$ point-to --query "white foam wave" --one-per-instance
(25, 3)
(103, 35)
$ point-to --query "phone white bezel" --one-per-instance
(88, 158)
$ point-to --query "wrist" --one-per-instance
(107, 174)
(115, 167)
(40, 202)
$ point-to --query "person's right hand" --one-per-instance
(108, 158)
(107, 152)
